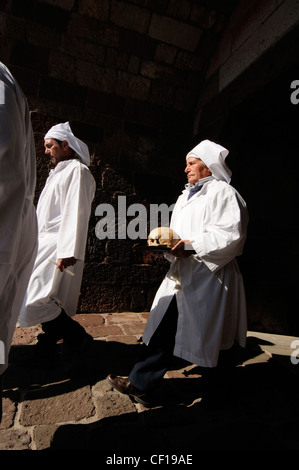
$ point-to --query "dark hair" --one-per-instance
(73, 151)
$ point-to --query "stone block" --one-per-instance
(104, 331)
(283, 19)
(45, 36)
(43, 436)
(95, 9)
(70, 437)
(132, 86)
(90, 320)
(184, 100)
(87, 132)
(173, 32)
(144, 316)
(137, 44)
(113, 181)
(158, 6)
(220, 56)
(83, 49)
(238, 62)
(134, 65)
(15, 28)
(162, 93)
(248, 20)
(30, 57)
(25, 336)
(62, 66)
(101, 388)
(59, 90)
(9, 409)
(94, 76)
(120, 318)
(129, 16)
(63, 4)
(105, 298)
(179, 9)
(187, 61)
(204, 17)
(108, 35)
(149, 69)
(126, 339)
(113, 403)
(14, 439)
(83, 27)
(41, 13)
(39, 407)
(105, 103)
(142, 112)
(116, 59)
(135, 328)
(139, 298)
(165, 53)
(28, 79)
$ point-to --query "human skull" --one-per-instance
(162, 236)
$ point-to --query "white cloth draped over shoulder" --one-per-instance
(63, 213)
(18, 225)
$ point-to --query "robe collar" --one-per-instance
(61, 166)
(199, 183)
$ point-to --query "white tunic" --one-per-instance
(18, 225)
(63, 213)
(208, 285)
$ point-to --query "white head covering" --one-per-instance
(213, 155)
(63, 131)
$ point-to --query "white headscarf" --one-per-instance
(213, 155)
(63, 131)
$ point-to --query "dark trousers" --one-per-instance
(63, 327)
(148, 373)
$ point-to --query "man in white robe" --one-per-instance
(18, 225)
(200, 307)
(63, 213)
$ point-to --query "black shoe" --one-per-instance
(123, 385)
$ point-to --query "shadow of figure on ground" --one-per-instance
(27, 374)
(251, 407)
(238, 405)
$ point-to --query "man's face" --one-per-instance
(196, 170)
(56, 150)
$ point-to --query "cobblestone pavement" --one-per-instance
(249, 402)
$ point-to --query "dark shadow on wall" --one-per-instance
(263, 135)
(256, 120)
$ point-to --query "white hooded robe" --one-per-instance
(18, 225)
(63, 213)
(208, 285)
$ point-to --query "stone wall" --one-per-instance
(253, 31)
(142, 81)
(127, 76)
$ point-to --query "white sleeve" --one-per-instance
(12, 171)
(78, 193)
(223, 236)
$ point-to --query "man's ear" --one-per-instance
(65, 146)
